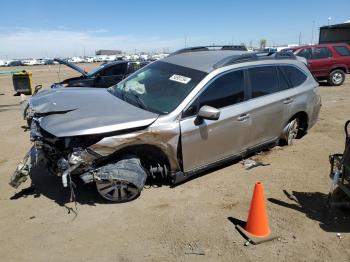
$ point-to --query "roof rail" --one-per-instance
(248, 57)
(210, 48)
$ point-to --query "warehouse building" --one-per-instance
(339, 33)
(108, 52)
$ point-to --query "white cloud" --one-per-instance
(26, 43)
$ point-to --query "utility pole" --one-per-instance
(299, 38)
(185, 41)
(312, 32)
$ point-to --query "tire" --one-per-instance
(122, 181)
(291, 131)
(336, 77)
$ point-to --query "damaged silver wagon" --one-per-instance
(193, 110)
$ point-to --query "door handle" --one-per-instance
(288, 100)
(243, 117)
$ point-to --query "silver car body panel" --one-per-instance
(82, 111)
(161, 134)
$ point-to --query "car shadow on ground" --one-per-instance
(314, 206)
(50, 186)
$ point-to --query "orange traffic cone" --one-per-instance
(257, 228)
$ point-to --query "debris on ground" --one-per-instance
(194, 249)
(250, 163)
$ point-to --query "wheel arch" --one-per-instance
(147, 153)
(344, 68)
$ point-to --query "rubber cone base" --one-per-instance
(254, 239)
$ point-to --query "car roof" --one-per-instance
(202, 60)
(319, 45)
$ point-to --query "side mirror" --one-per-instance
(209, 112)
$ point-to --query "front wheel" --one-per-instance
(336, 77)
(121, 181)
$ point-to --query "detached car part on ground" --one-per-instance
(196, 109)
(105, 75)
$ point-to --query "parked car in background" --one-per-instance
(327, 61)
(104, 76)
(14, 63)
(196, 109)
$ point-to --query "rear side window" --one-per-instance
(294, 75)
(263, 80)
(224, 91)
(306, 53)
(117, 69)
(134, 67)
(342, 50)
(320, 53)
(282, 81)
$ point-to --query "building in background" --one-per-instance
(108, 52)
(339, 33)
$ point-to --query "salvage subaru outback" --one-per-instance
(197, 108)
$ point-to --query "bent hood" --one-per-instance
(86, 111)
(71, 65)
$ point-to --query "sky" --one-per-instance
(47, 28)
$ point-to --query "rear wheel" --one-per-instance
(336, 77)
(291, 131)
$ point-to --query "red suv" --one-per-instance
(327, 61)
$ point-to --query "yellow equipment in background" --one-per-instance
(22, 83)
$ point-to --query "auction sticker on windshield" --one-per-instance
(180, 79)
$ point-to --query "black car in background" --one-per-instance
(103, 76)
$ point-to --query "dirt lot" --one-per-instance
(164, 223)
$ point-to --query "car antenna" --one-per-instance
(58, 73)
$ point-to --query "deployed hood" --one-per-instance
(71, 65)
(85, 111)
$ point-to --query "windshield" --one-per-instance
(159, 87)
(93, 71)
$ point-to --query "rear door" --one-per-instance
(208, 141)
(266, 105)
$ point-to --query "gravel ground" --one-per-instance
(166, 224)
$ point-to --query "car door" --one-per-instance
(207, 141)
(321, 61)
(112, 75)
(265, 106)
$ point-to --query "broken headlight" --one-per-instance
(79, 156)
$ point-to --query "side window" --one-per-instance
(282, 81)
(342, 50)
(226, 90)
(263, 80)
(294, 75)
(132, 67)
(306, 53)
(320, 53)
(117, 69)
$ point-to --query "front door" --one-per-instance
(207, 141)
(321, 61)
